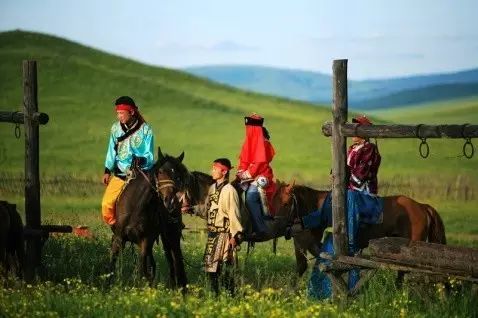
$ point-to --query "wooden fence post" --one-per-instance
(339, 154)
(32, 169)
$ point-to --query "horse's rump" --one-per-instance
(437, 228)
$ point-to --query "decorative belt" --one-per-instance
(121, 177)
(216, 229)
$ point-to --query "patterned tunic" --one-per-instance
(363, 161)
(120, 154)
(223, 222)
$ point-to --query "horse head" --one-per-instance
(282, 200)
(171, 178)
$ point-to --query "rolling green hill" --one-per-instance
(78, 84)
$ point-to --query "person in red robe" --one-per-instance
(255, 172)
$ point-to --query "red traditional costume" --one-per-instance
(256, 154)
(363, 161)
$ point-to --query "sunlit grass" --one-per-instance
(77, 86)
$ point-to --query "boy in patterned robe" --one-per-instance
(131, 143)
(223, 225)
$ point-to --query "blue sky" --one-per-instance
(380, 38)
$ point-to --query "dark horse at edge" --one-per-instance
(12, 243)
(141, 218)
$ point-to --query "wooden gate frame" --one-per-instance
(339, 129)
(35, 232)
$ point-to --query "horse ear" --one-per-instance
(292, 183)
(160, 155)
(181, 157)
(288, 188)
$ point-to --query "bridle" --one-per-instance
(293, 210)
(181, 195)
(158, 185)
(164, 184)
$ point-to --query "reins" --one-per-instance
(293, 208)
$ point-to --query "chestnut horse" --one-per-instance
(174, 178)
(402, 216)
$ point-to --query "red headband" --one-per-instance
(125, 107)
(221, 167)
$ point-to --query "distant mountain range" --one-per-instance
(364, 94)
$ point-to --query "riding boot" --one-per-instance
(293, 230)
(228, 280)
(214, 281)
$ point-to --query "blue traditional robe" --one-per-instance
(120, 154)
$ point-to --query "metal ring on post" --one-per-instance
(424, 145)
(424, 148)
(465, 147)
(17, 131)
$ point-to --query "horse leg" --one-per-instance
(3, 255)
(146, 260)
(300, 258)
(116, 246)
(152, 264)
(169, 258)
(178, 262)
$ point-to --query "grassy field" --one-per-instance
(77, 87)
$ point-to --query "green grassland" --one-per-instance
(77, 87)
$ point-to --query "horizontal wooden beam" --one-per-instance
(19, 117)
(57, 228)
(337, 264)
(404, 131)
(44, 230)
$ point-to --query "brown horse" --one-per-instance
(179, 187)
(183, 188)
(12, 246)
(402, 216)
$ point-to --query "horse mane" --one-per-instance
(203, 176)
(193, 182)
(199, 181)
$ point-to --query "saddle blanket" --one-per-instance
(367, 208)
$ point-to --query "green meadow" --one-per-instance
(77, 88)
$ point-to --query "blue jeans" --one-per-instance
(320, 286)
(254, 205)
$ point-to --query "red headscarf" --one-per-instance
(256, 148)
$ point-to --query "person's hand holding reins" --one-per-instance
(106, 178)
(233, 242)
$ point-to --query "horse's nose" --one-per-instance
(170, 202)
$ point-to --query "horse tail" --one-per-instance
(436, 232)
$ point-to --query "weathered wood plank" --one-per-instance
(44, 230)
(19, 117)
(339, 152)
(426, 254)
(57, 228)
(377, 263)
(403, 131)
(32, 168)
